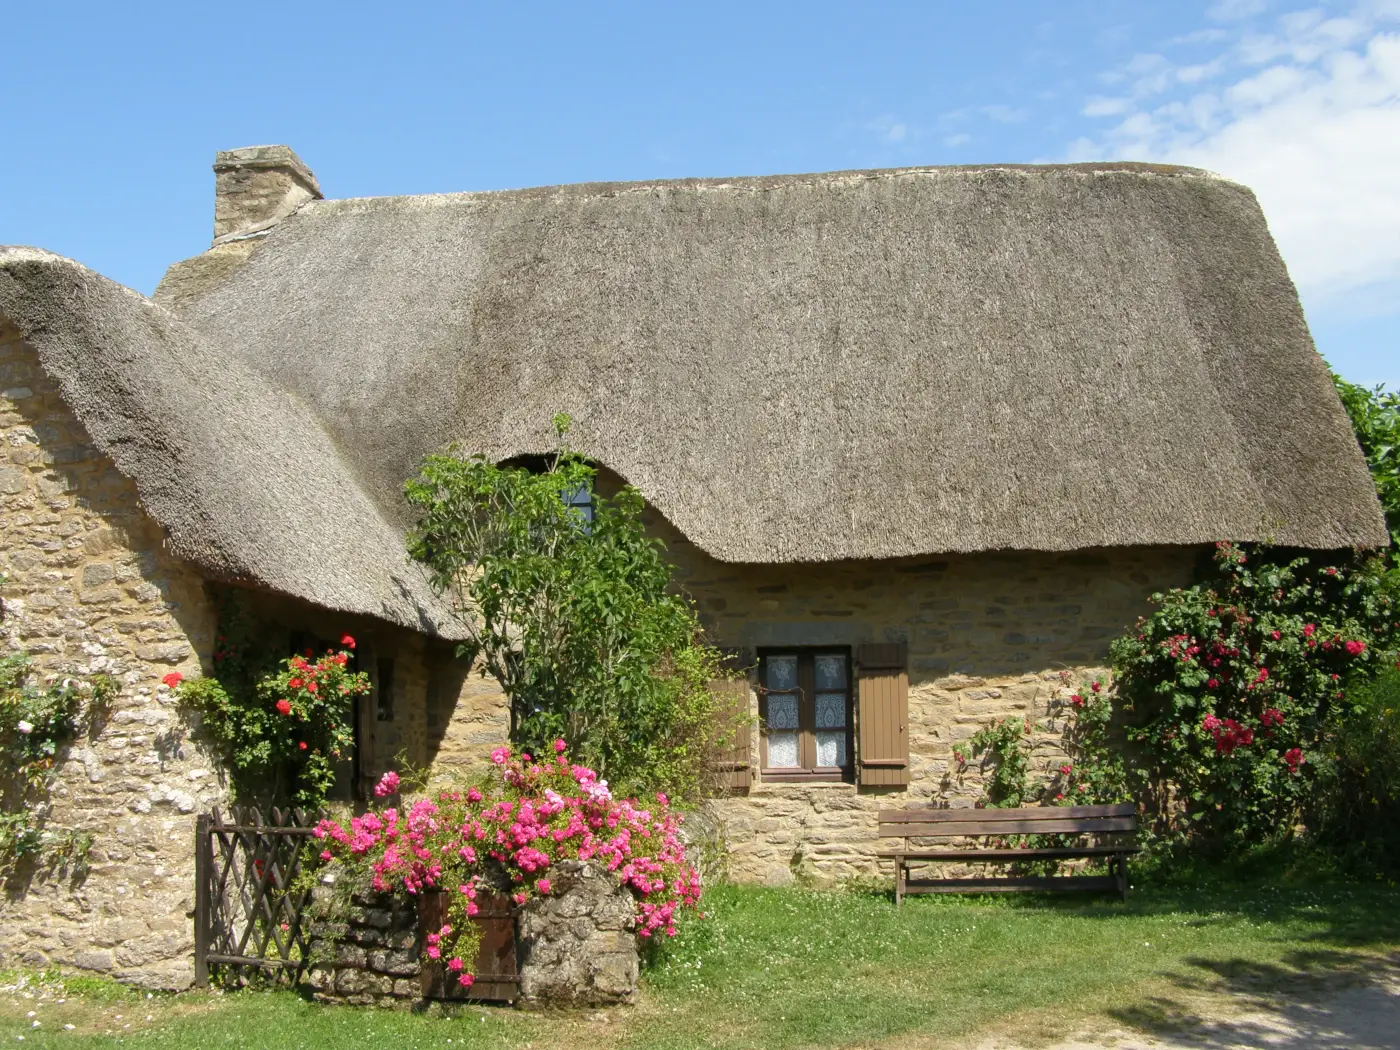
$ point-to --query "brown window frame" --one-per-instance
(806, 717)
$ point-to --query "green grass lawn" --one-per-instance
(790, 968)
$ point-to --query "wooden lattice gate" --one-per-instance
(248, 908)
(252, 908)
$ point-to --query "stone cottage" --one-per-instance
(919, 442)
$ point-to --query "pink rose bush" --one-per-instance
(514, 826)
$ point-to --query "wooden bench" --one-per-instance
(1117, 820)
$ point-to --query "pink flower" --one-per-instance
(1355, 648)
(559, 747)
(1067, 768)
(173, 679)
(466, 980)
(455, 965)
(388, 784)
(519, 898)
(543, 885)
(1309, 629)
(500, 755)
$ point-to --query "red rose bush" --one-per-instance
(508, 831)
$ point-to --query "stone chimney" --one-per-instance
(257, 187)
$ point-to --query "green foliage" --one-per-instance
(1096, 772)
(279, 731)
(574, 617)
(1002, 748)
(1375, 417)
(1355, 811)
(1231, 687)
(35, 723)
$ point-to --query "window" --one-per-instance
(581, 500)
(384, 701)
(805, 705)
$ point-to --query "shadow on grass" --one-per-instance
(1327, 999)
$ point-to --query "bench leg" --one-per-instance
(898, 881)
(1122, 859)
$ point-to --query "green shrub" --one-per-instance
(1356, 809)
(1232, 687)
(35, 724)
(280, 728)
(574, 617)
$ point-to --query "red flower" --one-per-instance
(310, 687)
(1294, 759)
(1067, 768)
(1277, 635)
(1076, 700)
(1213, 683)
(294, 683)
(173, 679)
(1272, 716)
(284, 707)
(347, 641)
(302, 745)
(1309, 629)
(1094, 686)
(1355, 648)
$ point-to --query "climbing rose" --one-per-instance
(466, 980)
(500, 755)
(302, 745)
(173, 679)
(559, 747)
(347, 641)
(1355, 648)
(1294, 758)
(543, 885)
(388, 784)
(1076, 700)
(284, 707)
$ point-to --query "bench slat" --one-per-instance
(935, 816)
(1007, 827)
(1053, 882)
(1007, 854)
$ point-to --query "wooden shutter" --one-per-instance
(884, 714)
(732, 711)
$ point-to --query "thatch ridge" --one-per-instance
(242, 476)
(827, 366)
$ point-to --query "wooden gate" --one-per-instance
(247, 909)
(250, 912)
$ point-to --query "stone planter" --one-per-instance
(576, 947)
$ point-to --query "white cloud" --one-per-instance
(889, 129)
(1235, 10)
(960, 139)
(1307, 115)
(1005, 114)
(1100, 106)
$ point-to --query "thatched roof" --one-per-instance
(801, 368)
(241, 473)
(804, 368)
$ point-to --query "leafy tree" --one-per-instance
(1375, 416)
(573, 615)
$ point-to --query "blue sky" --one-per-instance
(113, 112)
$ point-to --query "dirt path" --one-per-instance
(1363, 1013)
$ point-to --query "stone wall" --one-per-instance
(989, 636)
(91, 590)
(575, 947)
(578, 946)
